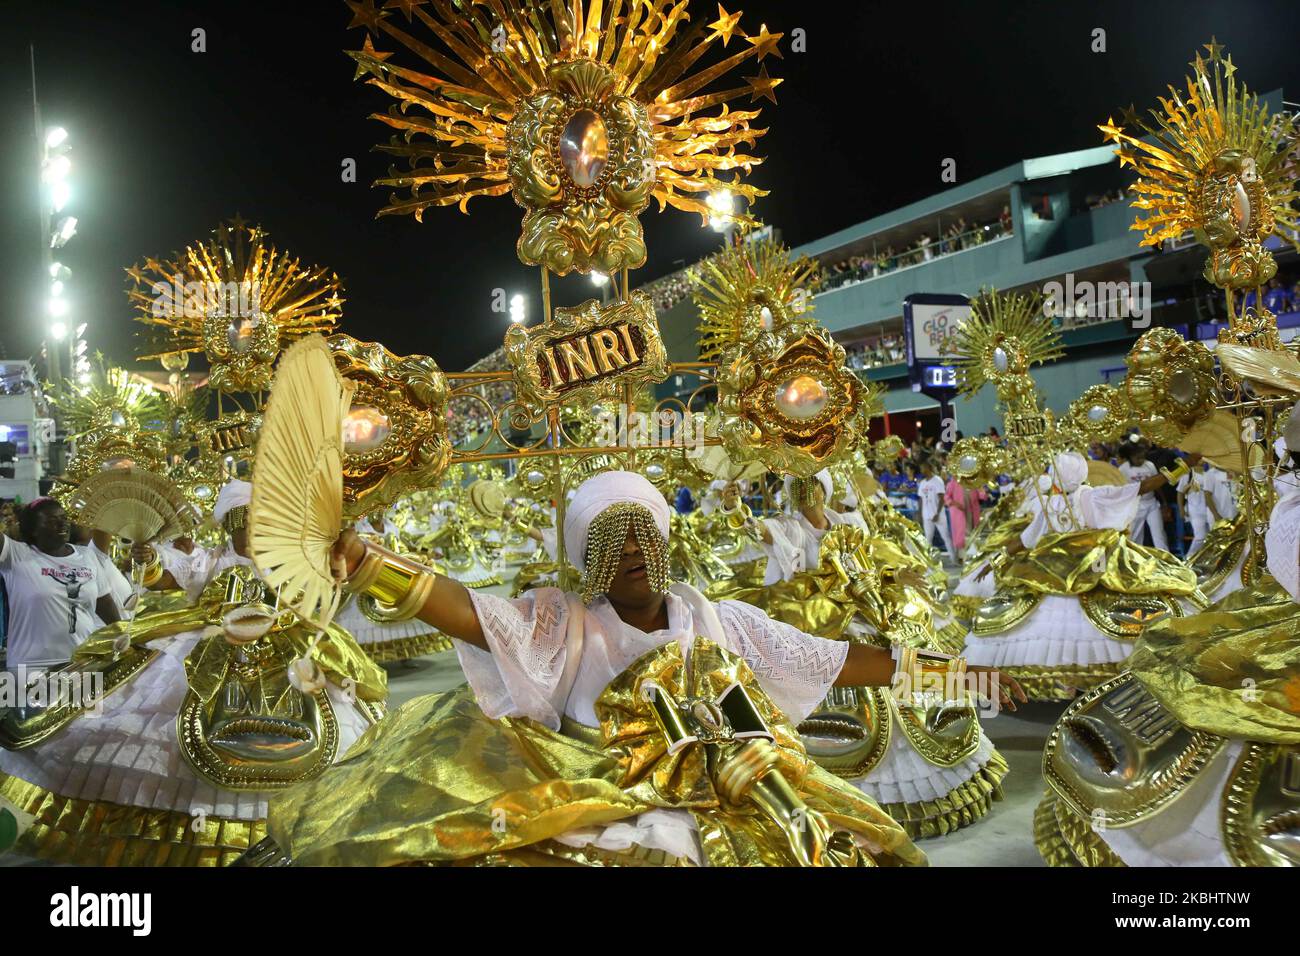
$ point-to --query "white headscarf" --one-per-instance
(234, 494)
(600, 492)
(1069, 470)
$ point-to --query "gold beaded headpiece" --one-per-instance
(605, 539)
(234, 519)
(804, 491)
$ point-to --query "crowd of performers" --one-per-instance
(798, 603)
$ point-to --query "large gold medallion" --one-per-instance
(1117, 755)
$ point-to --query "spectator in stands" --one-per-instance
(1276, 299)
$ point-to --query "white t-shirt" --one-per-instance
(118, 583)
(51, 601)
(1137, 474)
(1194, 486)
(931, 492)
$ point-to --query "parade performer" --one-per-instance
(648, 713)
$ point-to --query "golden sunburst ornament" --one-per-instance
(1006, 334)
(109, 398)
(1217, 168)
(748, 288)
(236, 298)
(582, 110)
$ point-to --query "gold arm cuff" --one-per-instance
(152, 574)
(929, 672)
(415, 597)
(1174, 475)
(396, 577)
(392, 580)
(367, 571)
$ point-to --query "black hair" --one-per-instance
(28, 515)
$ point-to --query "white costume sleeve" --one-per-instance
(1108, 506)
(795, 669)
(531, 641)
(118, 584)
(195, 571)
(549, 538)
(786, 554)
(1283, 545)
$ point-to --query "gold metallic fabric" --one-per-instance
(1232, 670)
(1066, 840)
(99, 833)
(1078, 561)
(960, 807)
(1062, 682)
(438, 782)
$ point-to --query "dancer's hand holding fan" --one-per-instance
(296, 512)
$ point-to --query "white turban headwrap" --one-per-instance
(234, 494)
(1069, 470)
(600, 492)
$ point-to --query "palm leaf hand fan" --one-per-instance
(133, 504)
(296, 512)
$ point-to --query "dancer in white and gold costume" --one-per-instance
(573, 683)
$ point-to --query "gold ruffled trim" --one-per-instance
(1060, 683)
(960, 808)
(964, 607)
(99, 833)
(483, 582)
(1064, 839)
(950, 639)
(404, 648)
(550, 853)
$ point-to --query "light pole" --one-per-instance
(57, 228)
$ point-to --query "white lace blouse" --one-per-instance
(552, 657)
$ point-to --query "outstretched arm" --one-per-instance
(867, 666)
(447, 607)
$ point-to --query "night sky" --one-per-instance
(166, 142)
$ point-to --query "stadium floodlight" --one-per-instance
(59, 271)
(517, 308)
(58, 331)
(55, 137)
(56, 169)
(56, 288)
(59, 308)
(65, 230)
(723, 204)
(60, 194)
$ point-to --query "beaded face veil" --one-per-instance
(605, 539)
(807, 493)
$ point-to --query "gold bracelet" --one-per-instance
(415, 597)
(396, 578)
(923, 672)
(152, 574)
